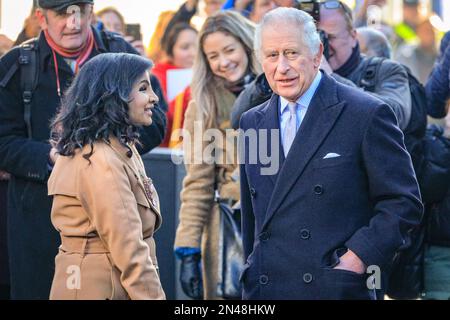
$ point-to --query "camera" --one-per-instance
(312, 7)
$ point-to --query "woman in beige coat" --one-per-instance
(104, 206)
(225, 63)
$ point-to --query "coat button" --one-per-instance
(307, 278)
(318, 189)
(263, 279)
(305, 234)
(264, 236)
(253, 192)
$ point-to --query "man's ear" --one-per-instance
(91, 14)
(42, 19)
(354, 35)
(318, 57)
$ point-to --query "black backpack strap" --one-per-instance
(11, 72)
(29, 72)
(369, 77)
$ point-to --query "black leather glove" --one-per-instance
(191, 276)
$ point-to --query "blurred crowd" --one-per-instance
(414, 42)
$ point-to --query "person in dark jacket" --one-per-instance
(346, 62)
(437, 253)
(62, 48)
(437, 250)
(438, 84)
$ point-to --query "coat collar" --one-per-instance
(126, 155)
(322, 114)
(133, 163)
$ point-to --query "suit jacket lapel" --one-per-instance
(322, 113)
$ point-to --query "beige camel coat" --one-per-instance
(199, 215)
(106, 220)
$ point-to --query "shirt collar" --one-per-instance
(306, 97)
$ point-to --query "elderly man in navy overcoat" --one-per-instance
(345, 198)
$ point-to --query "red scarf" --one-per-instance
(80, 55)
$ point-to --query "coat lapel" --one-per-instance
(270, 121)
(322, 113)
(122, 151)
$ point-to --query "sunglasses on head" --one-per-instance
(332, 4)
(335, 4)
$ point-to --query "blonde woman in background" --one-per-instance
(224, 64)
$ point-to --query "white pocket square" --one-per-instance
(332, 155)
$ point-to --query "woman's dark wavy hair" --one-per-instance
(96, 104)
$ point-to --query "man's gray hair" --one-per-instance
(303, 22)
(376, 42)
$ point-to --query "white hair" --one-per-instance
(303, 22)
(377, 44)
